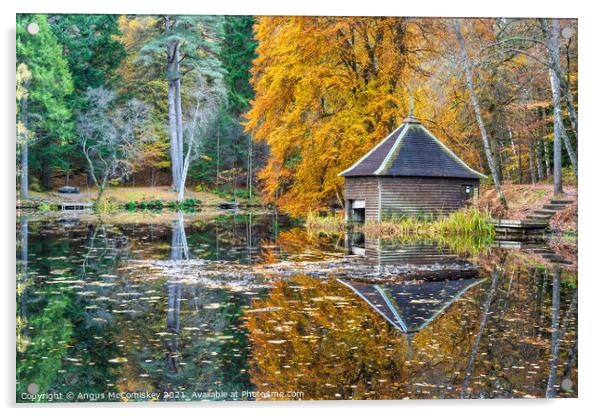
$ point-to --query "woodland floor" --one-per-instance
(127, 194)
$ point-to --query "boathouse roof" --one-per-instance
(411, 150)
(409, 307)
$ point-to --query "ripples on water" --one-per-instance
(247, 307)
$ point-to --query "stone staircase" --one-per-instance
(551, 256)
(550, 209)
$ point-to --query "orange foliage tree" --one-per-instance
(327, 90)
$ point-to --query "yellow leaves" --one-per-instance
(327, 90)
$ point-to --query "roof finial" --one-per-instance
(410, 118)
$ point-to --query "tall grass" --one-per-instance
(330, 224)
(467, 222)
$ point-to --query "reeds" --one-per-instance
(467, 222)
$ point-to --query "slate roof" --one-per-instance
(411, 150)
(409, 307)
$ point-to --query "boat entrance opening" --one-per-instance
(358, 211)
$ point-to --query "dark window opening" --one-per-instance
(358, 214)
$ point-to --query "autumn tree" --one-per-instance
(327, 90)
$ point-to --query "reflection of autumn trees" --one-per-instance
(297, 241)
(318, 337)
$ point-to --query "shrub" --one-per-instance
(44, 207)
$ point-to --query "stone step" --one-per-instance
(554, 258)
(554, 207)
(542, 251)
(538, 217)
(561, 201)
(549, 213)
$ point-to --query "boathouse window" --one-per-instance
(468, 190)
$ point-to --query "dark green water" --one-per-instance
(249, 307)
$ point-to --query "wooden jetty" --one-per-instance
(520, 230)
(75, 206)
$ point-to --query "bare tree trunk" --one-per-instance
(171, 99)
(532, 163)
(538, 159)
(250, 168)
(569, 148)
(559, 130)
(520, 161)
(25, 145)
(516, 150)
(557, 137)
(546, 151)
(554, 343)
(477, 110)
(218, 156)
(554, 64)
(182, 185)
(513, 151)
(184, 173)
(542, 151)
(178, 102)
(475, 350)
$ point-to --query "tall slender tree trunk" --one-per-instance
(532, 162)
(496, 272)
(546, 151)
(217, 151)
(554, 342)
(559, 130)
(178, 102)
(557, 136)
(569, 148)
(517, 156)
(25, 145)
(539, 159)
(250, 167)
(172, 112)
(520, 161)
(553, 45)
(477, 110)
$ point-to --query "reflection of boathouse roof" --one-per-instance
(411, 306)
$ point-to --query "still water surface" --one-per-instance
(251, 307)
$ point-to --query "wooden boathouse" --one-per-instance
(409, 173)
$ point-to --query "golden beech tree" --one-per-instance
(330, 88)
(327, 90)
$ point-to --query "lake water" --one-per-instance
(252, 307)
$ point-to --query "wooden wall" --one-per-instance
(365, 189)
(407, 196)
(423, 196)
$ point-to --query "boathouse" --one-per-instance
(409, 173)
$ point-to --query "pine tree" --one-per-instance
(48, 115)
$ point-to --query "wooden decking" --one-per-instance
(75, 206)
(520, 230)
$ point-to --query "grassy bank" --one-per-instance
(468, 222)
(464, 232)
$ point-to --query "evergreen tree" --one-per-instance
(47, 114)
